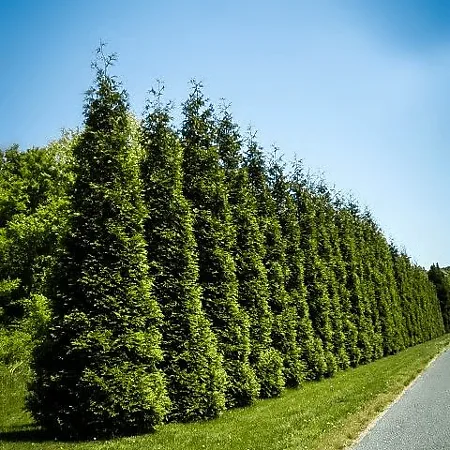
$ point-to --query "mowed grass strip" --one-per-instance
(323, 415)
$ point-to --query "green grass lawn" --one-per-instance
(321, 415)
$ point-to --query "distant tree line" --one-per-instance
(164, 274)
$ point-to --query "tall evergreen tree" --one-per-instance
(418, 298)
(373, 289)
(248, 254)
(205, 189)
(358, 309)
(329, 255)
(371, 348)
(430, 317)
(387, 267)
(435, 320)
(340, 293)
(284, 331)
(441, 281)
(311, 350)
(192, 365)
(405, 289)
(96, 373)
(387, 302)
(319, 301)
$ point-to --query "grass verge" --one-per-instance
(324, 415)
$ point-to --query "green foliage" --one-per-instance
(359, 309)
(441, 279)
(18, 340)
(331, 258)
(205, 189)
(284, 329)
(248, 253)
(8, 308)
(28, 179)
(391, 324)
(316, 279)
(16, 336)
(311, 350)
(347, 330)
(323, 415)
(212, 280)
(192, 365)
(33, 216)
(402, 272)
(15, 346)
(96, 372)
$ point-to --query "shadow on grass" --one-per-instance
(34, 434)
(25, 433)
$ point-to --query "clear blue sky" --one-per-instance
(357, 89)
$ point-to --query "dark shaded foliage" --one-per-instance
(441, 279)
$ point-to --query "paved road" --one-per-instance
(420, 419)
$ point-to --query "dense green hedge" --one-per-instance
(170, 274)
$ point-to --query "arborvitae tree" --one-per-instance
(328, 255)
(284, 332)
(420, 306)
(96, 372)
(441, 280)
(315, 276)
(248, 254)
(358, 309)
(192, 365)
(205, 189)
(387, 301)
(387, 266)
(436, 325)
(401, 265)
(419, 303)
(430, 316)
(374, 290)
(340, 292)
(364, 270)
(311, 350)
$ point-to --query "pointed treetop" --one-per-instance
(103, 60)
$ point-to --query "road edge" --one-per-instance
(372, 424)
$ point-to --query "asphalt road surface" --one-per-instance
(420, 419)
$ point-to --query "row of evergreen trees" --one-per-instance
(191, 275)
